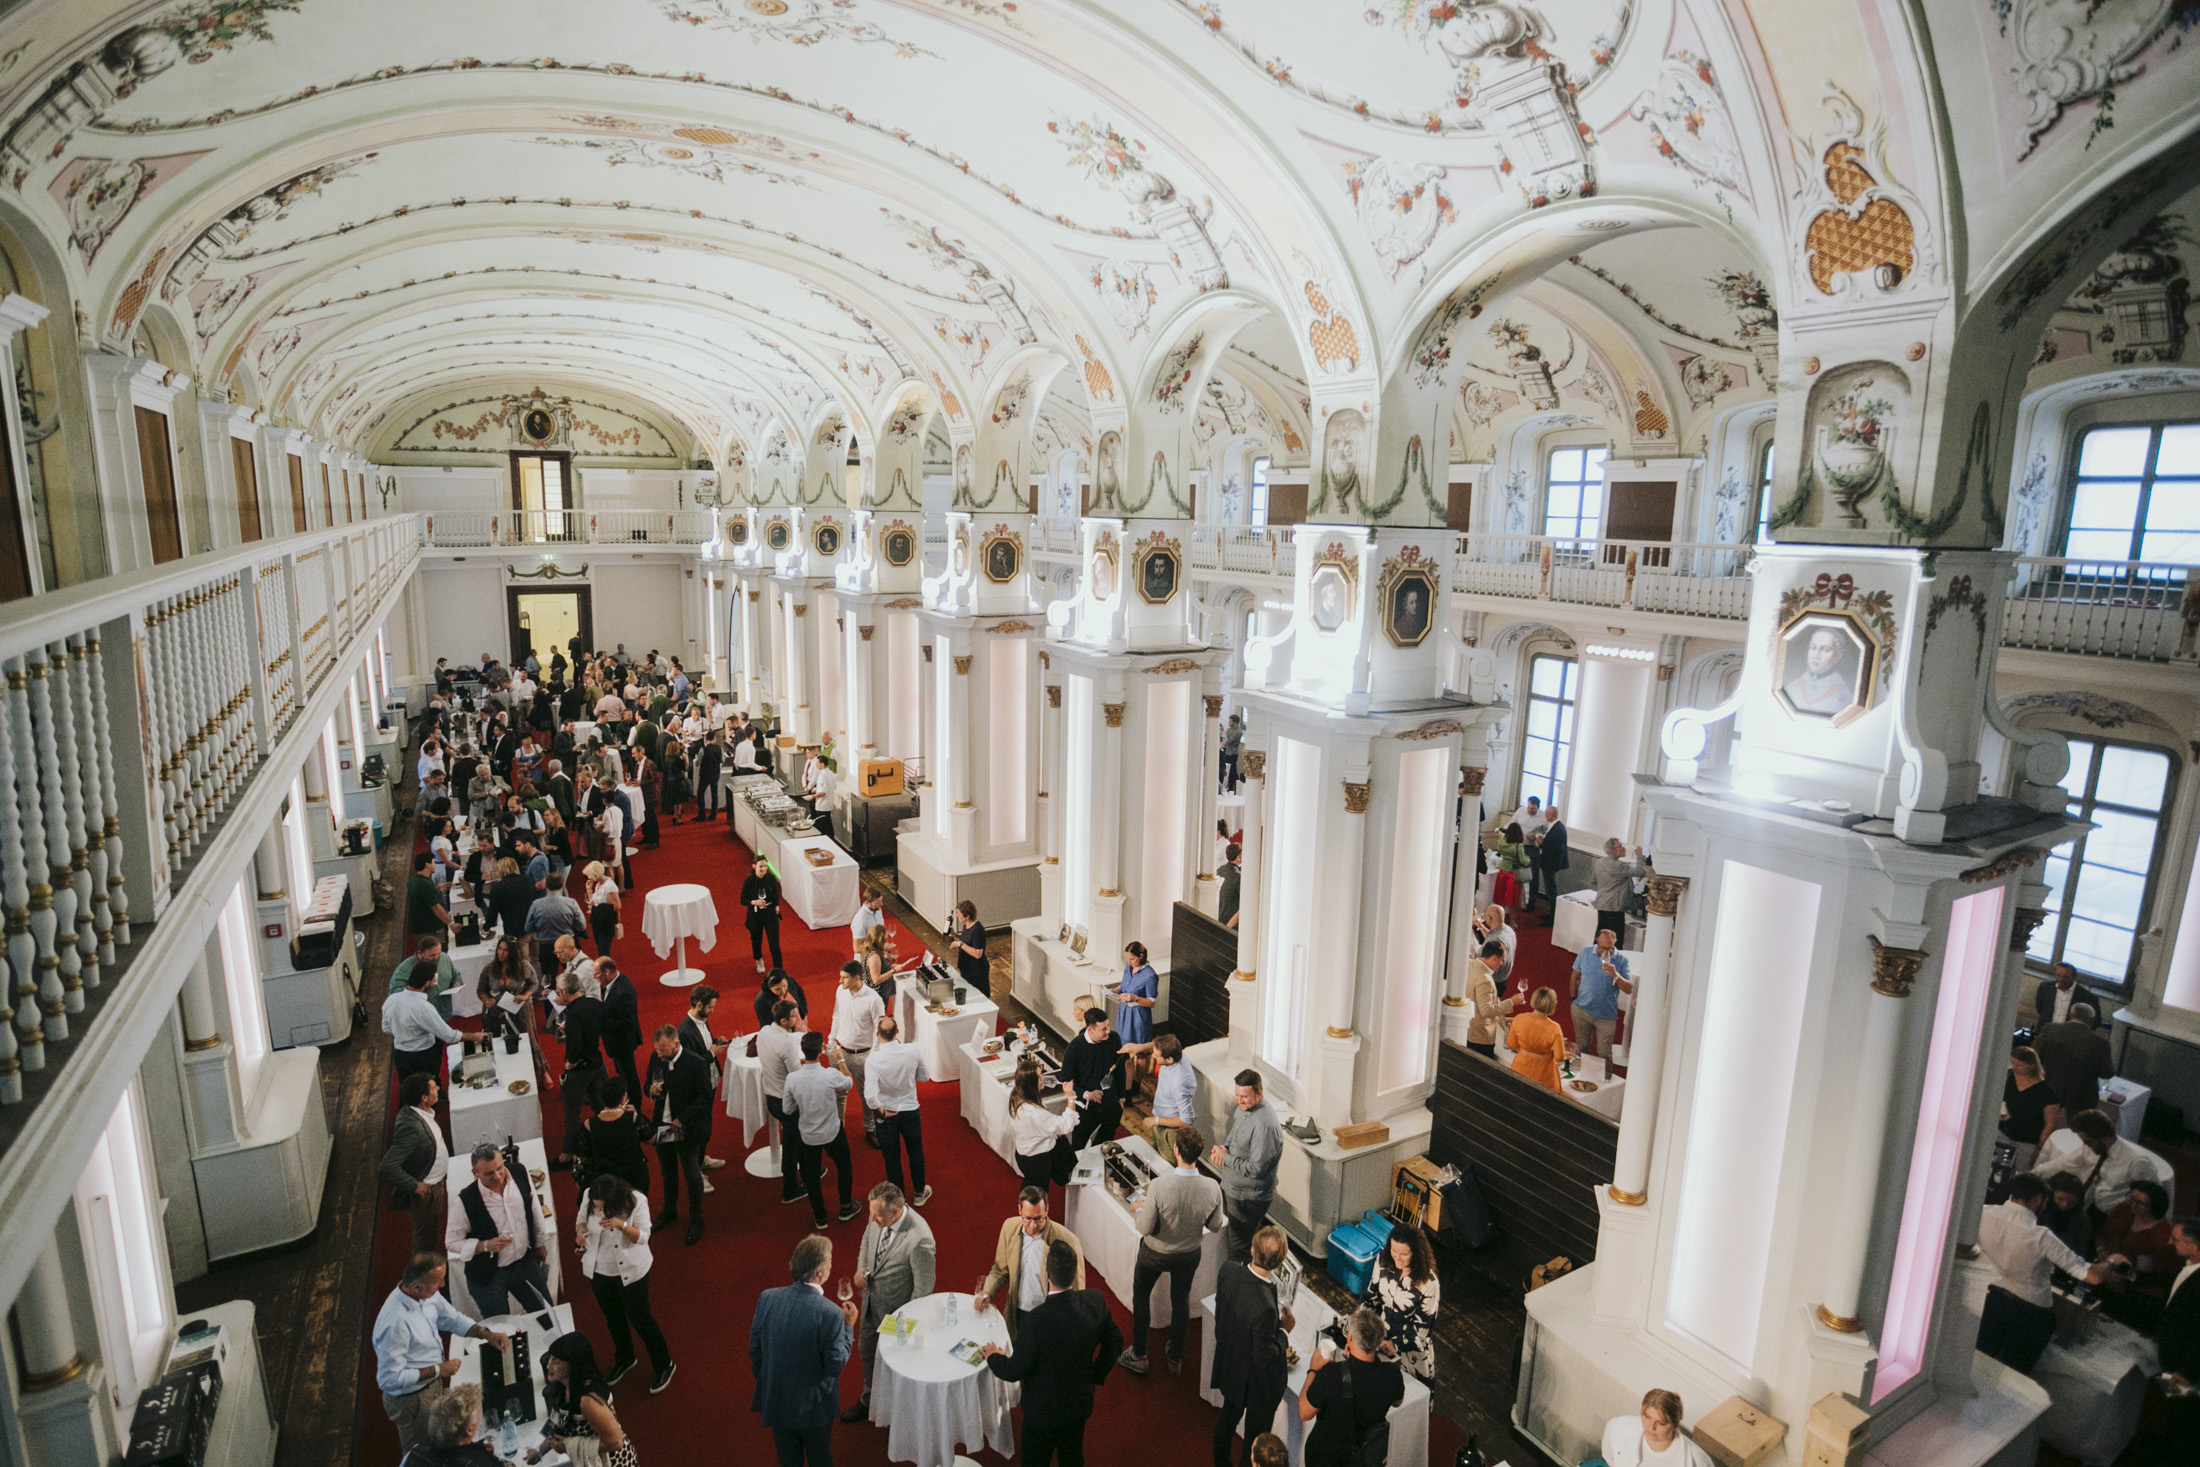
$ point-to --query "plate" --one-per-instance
(535, 1177)
(521, 1087)
(1584, 1086)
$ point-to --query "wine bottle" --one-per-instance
(1470, 1455)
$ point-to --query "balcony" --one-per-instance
(150, 727)
(2133, 611)
(530, 528)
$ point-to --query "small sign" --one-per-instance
(272, 931)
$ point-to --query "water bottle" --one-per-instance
(508, 1434)
(954, 1312)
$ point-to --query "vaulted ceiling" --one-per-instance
(749, 211)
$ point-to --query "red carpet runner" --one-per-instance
(704, 1295)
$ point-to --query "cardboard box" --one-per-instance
(876, 777)
(1737, 1434)
(1836, 1435)
(1366, 1133)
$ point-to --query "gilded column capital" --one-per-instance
(926, 649)
(1664, 894)
(864, 631)
(755, 596)
(1254, 763)
(2026, 922)
(1054, 695)
(802, 608)
(1355, 798)
(1471, 776)
(962, 665)
(1894, 969)
(1214, 706)
(1113, 712)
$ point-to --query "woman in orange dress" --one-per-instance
(1537, 1043)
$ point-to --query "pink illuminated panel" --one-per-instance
(1959, 1017)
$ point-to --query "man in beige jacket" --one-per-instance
(1020, 1258)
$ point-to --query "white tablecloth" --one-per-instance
(2096, 1391)
(1108, 1231)
(495, 1113)
(468, 1353)
(984, 1098)
(1606, 1099)
(931, 1403)
(1408, 1419)
(741, 1086)
(822, 896)
(536, 1160)
(1575, 925)
(466, 998)
(935, 1037)
(681, 910)
(2126, 1104)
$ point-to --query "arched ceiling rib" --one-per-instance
(759, 207)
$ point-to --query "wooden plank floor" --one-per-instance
(314, 1309)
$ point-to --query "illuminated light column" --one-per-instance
(1971, 1187)
(1646, 1023)
(1894, 972)
(1107, 939)
(1243, 997)
(1210, 792)
(1465, 887)
(1050, 815)
(1340, 951)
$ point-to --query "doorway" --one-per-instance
(545, 622)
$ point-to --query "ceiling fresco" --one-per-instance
(748, 211)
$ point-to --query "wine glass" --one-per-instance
(847, 1290)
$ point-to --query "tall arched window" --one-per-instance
(1547, 742)
(2100, 887)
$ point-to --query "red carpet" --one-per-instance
(703, 1296)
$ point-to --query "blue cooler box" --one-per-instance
(1352, 1249)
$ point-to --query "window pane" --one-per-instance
(2081, 765)
(2174, 547)
(1566, 723)
(1565, 501)
(1593, 464)
(1546, 675)
(2108, 896)
(2104, 504)
(2180, 450)
(2174, 505)
(1539, 756)
(2110, 545)
(2134, 777)
(2098, 950)
(1573, 678)
(2124, 842)
(1542, 719)
(2114, 451)
(1566, 463)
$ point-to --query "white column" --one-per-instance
(1251, 880)
(1894, 970)
(1050, 810)
(45, 1326)
(1462, 946)
(956, 784)
(201, 1025)
(862, 694)
(1646, 1023)
(1340, 949)
(928, 729)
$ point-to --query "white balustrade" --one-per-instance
(2136, 611)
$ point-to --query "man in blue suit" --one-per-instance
(798, 1345)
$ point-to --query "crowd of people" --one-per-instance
(528, 777)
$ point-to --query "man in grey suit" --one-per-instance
(417, 1162)
(798, 1345)
(894, 1264)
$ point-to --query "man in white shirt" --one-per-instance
(779, 1047)
(418, 1160)
(819, 782)
(2107, 1163)
(1528, 817)
(2019, 1317)
(1491, 926)
(890, 1087)
(408, 1347)
(570, 959)
(497, 1233)
(417, 1032)
(871, 914)
(856, 1012)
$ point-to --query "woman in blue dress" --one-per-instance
(1134, 1015)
